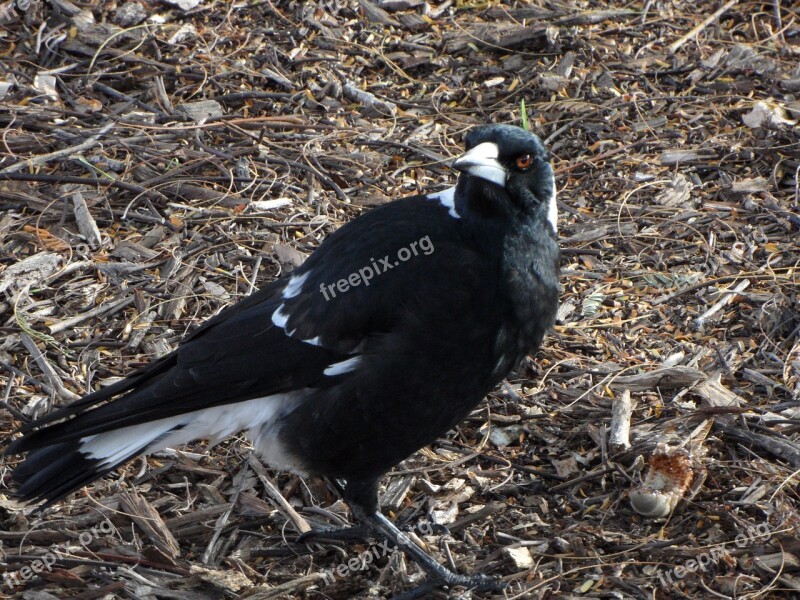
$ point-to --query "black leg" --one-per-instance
(362, 496)
(439, 574)
(354, 533)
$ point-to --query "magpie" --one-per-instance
(385, 338)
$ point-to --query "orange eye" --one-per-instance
(524, 161)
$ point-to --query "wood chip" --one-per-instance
(30, 271)
(620, 429)
(202, 110)
(86, 223)
(147, 519)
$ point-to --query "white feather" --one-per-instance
(215, 423)
(448, 199)
(552, 207)
(295, 285)
(344, 366)
(279, 318)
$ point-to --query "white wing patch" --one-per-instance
(279, 318)
(344, 366)
(295, 286)
(448, 199)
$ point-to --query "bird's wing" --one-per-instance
(287, 337)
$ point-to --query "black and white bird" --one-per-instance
(388, 335)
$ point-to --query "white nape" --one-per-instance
(215, 423)
(344, 366)
(295, 285)
(448, 199)
(552, 207)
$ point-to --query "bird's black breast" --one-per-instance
(530, 271)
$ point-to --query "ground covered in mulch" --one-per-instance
(158, 161)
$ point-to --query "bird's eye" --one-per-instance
(524, 161)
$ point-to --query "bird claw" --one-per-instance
(477, 582)
(353, 533)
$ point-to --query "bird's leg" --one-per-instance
(353, 533)
(440, 574)
(362, 496)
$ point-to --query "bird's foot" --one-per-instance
(353, 533)
(438, 575)
(448, 579)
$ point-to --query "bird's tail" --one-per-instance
(53, 470)
(64, 457)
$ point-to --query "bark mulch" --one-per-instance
(160, 160)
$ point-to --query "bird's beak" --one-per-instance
(481, 161)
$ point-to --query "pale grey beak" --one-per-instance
(481, 161)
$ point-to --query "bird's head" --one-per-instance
(507, 170)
